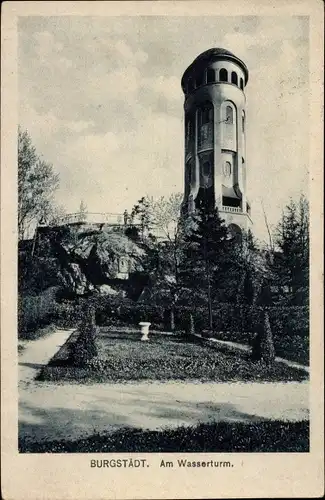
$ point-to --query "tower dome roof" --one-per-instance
(210, 55)
(215, 51)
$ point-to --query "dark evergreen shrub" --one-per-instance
(263, 347)
(84, 349)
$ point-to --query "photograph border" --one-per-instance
(57, 476)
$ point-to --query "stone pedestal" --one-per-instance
(144, 330)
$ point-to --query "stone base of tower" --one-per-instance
(235, 218)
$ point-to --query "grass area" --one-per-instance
(267, 436)
(123, 357)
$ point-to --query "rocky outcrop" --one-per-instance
(94, 258)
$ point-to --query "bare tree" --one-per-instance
(37, 183)
(268, 228)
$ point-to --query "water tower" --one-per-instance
(215, 143)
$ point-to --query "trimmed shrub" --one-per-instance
(84, 349)
(263, 347)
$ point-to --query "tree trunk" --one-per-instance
(191, 325)
(172, 320)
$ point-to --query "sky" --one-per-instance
(102, 101)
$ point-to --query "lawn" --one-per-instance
(123, 357)
(267, 436)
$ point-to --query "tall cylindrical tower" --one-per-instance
(215, 128)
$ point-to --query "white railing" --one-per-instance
(236, 210)
(93, 218)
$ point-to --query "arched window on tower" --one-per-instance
(235, 233)
(229, 115)
(223, 75)
(227, 169)
(211, 76)
(205, 114)
(206, 168)
(242, 84)
(229, 126)
(234, 78)
(205, 126)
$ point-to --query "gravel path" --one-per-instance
(246, 348)
(52, 411)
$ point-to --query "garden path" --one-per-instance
(246, 348)
(68, 411)
(37, 353)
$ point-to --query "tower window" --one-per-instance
(235, 232)
(243, 122)
(229, 128)
(199, 80)
(223, 75)
(234, 78)
(206, 114)
(211, 76)
(229, 115)
(242, 84)
(206, 168)
(227, 169)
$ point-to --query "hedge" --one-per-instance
(289, 325)
(38, 311)
(35, 311)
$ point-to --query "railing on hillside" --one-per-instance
(94, 218)
(236, 210)
(111, 219)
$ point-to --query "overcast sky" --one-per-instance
(102, 101)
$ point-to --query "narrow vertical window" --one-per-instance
(206, 168)
(234, 78)
(205, 126)
(243, 122)
(223, 75)
(229, 115)
(229, 127)
(211, 76)
(227, 169)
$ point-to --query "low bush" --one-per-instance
(35, 312)
(227, 437)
